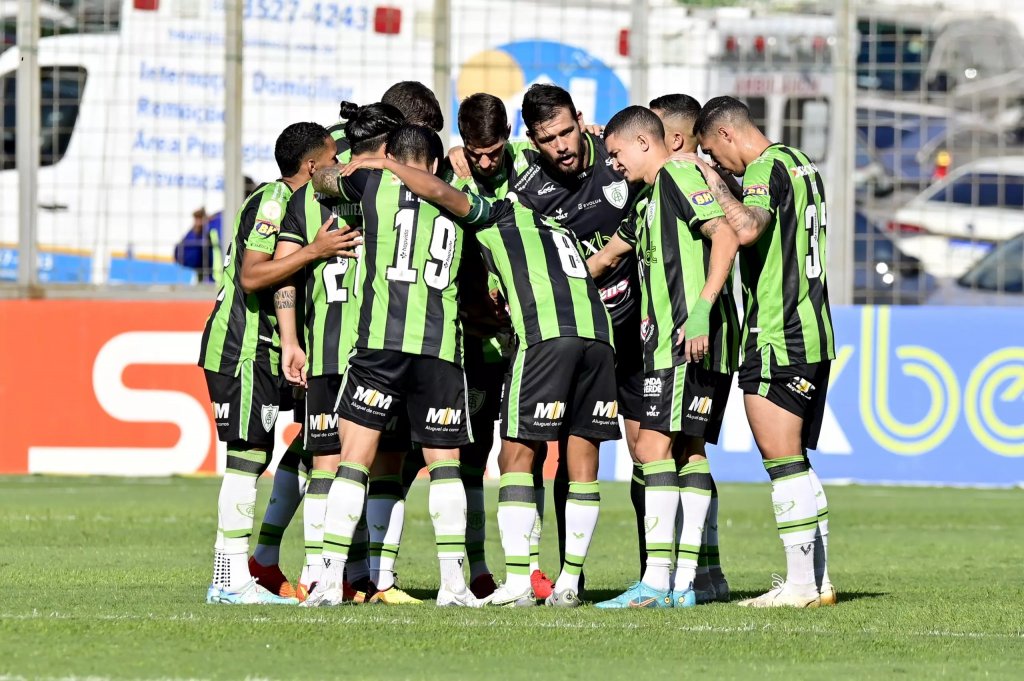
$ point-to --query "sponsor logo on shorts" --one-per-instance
(653, 411)
(549, 411)
(444, 416)
(476, 399)
(323, 421)
(221, 410)
(699, 408)
(268, 414)
(608, 410)
(801, 386)
(373, 398)
(652, 387)
(702, 198)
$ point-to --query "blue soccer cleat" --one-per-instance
(213, 594)
(639, 595)
(249, 593)
(686, 598)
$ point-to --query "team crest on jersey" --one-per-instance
(270, 211)
(269, 416)
(702, 197)
(617, 193)
(756, 190)
(476, 399)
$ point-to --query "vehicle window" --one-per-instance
(983, 189)
(61, 94)
(1000, 270)
(891, 55)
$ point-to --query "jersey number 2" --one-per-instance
(437, 273)
(813, 225)
(333, 274)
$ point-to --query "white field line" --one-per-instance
(323, 618)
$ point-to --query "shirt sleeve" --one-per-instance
(292, 227)
(484, 212)
(352, 188)
(269, 215)
(686, 193)
(762, 187)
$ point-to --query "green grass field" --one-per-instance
(105, 578)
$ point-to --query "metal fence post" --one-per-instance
(27, 122)
(841, 205)
(233, 78)
(442, 64)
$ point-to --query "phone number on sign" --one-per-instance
(326, 14)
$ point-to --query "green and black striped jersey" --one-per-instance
(540, 271)
(674, 257)
(785, 293)
(337, 132)
(327, 284)
(243, 326)
(406, 284)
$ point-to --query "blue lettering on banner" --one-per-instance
(321, 88)
(150, 177)
(178, 111)
(908, 402)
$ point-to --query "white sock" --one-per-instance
(661, 500)
(314, 516)
(344, 510)
(796, 515)
(385, 518)
(517, 518)
(538, 527)
(582, 508)
(694, 497)
(236, 506)
(821, 536)
(285, 497)
(447, 505)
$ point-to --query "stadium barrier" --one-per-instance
(918, 395)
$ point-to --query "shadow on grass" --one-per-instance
(844, 596)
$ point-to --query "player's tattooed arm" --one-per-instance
(293, 359)
(749, 222)
(284, 299)
(724, 244)
(325, 180)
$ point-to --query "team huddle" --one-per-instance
(571, 288)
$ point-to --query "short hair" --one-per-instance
(483, 121)
(367, 127)
(720, 109)
(296, 143)
(635, 119)
(417, 103)
(542, 102)
(677, 106)
(414, 144)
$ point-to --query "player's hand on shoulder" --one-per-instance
(460, 163)
(358, 164)
(594, 129)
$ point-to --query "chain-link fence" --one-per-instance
(136, 148)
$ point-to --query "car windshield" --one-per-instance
(1000, 270)
(983, 189)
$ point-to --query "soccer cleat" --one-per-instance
(686, 598)
(783, 595)
(271, 578)
(704, 589)
(504, 598)
(359, 592)
(829, 596)
(213, 594)
(302, 591)
(460, 599)
(324, 595)
(639, 595)
(721, 589)
(249, 593)
(483, 586)
(542, 586)
(566, 598)
(394, 596)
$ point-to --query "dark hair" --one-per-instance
(635, 119)
(677, 105)
(414, 144)
(296, 143)
(542, 102)
(719, 108)
(368, 126)
(417, 103)
(482, 120)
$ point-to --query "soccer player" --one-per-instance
(788, 340)
(406, 359)
(241, 357)
(561, 381)
(690, 331)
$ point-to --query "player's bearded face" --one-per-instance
(560, 142)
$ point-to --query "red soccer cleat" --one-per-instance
(360, 592)
(483, 586)
(271, 578)
(542, 586)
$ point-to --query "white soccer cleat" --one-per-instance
(785, 595)
(829, 595)
(504, 598)
(459, 599)
(325, 595)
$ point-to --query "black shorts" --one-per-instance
(382, 386)
(687, 399)
(561, 387)
(245, 407)
(629, 368)
(800, 389)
